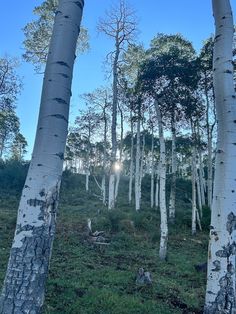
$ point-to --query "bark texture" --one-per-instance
(162, 191)
(24, 285)
(220, 292)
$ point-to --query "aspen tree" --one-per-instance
(24, 285)
(220, 291)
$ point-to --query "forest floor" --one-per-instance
(101, 279)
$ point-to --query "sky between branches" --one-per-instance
(193, 19)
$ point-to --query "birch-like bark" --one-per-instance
(162, 195)
(209, 169)
(194, 204)
(199, 192)
(111, 197)
(131, 168)
(157, 188)
(121, 151)
(152, 171)
(201, 179)
(173, 174)
(220, 292)
(104, 153)
(24, 285)
(137, 167)
(141, 169)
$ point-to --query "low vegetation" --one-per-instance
(90, 278)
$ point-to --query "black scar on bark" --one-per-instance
(60, 101)
(80, 4)
(231, 223)
(59, 116)
(64, 75)
(42, 193)
(227, 250)
(63, 63)
(60, 155)
(217, 266)
(35, 202)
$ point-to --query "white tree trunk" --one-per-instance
(157, 188)
(199, 193)
(111, 191)
(162, 168)
(209, 170)
(220, 292)
(137, 168)
(87, 180)
(104, 189)
(194, 204)
(131, 169)
(173, 175)
(152, 171)
(24, 285)
(202, 180)
(141, 169)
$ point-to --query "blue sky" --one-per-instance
(192, 18)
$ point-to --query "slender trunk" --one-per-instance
(104, 189)
(24, 285)
(141, 169)
(157, 188)
(209, 170)
(137, 167)
(121, 152)
(131, 169)
(201, 179)
(104, 155)
(152, 171)
(194, 204)
(87, 180)
(173, 174)
(162, 167)
(111, 200)
(199, 192)
(220, 291)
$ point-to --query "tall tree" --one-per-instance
(24, 285)
(220, 292)
(38, 33)
(18, 147)
(120, 25)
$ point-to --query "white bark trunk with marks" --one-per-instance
(220, 292)
(24, 285)
(199, 193)
(173, 175)
(141, 170)
(162, 168)
(131, 169)
(137, 168)
(152, 171)
(194, 204)
(157, 188)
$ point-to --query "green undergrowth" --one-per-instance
(100, 279)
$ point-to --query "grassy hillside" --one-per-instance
(100, 279)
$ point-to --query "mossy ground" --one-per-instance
(88, 279)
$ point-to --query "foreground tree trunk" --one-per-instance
(24, 285)
(220, 292)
